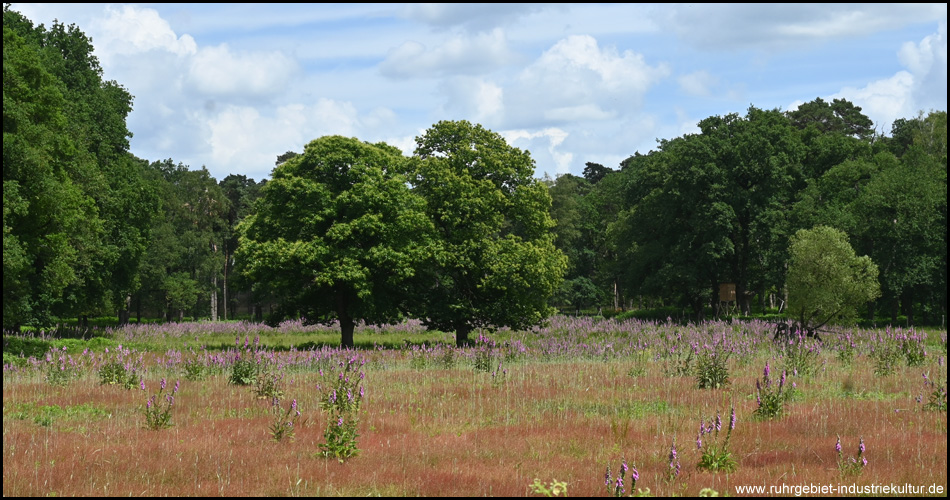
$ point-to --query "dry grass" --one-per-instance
(457, 432)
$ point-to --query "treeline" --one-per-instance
(719, 206)
(88, 228)
(459, 234)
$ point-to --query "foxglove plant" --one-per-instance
(342, 404)
(852, 466)
(284, 422)
(158, 410)
(937, 401)
(617, 488)
(674, 469)
(716, 456)
(769, 397)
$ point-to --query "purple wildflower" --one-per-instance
(634, 474)
(607, 477)
(718, 422)
(861, 447)
(163, 384)
(766, 369)
(732, 419)
(838, 445)
(142, 385)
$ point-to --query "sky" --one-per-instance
(232, 86)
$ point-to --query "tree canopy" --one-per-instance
(494, 262)
(336, 234)
(826, 281)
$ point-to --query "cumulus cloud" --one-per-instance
(459, 55)
(576, 79)
(133, 30)
(219, 71)
(921, 87)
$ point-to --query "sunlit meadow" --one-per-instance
(242, 409)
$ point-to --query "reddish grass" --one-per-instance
(455, 433)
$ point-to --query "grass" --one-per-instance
(561, 412)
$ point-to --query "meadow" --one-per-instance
(242, 409)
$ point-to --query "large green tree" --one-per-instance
(79, 209)
(337, 233)
(494, 262)
(827, 282)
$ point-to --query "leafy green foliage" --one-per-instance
(116, 373)
(244, 372)
(494, 262)
(336, 234)
(826, 281)
(712, 369)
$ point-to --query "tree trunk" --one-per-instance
(343, 315)
(461, 335)
(214, 297)
(224, 288)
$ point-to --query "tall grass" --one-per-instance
(575, 395)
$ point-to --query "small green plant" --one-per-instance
(484, 355)
(116, 373)
(937, 401)
(555, 488)
(712, 370)
(60, 367)
(912, 348)
(771, 398)
(244, 372)
(342, 404)
(674, 468)
(284, 422)
(801, 357)
(617, 487)
(158, 410)
(195, 370)
(716, 456)
(268, 385)
(851, 466)
(886, 357)
(679, 363)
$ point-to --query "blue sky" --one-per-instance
(231, 86)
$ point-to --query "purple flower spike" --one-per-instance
(142, 385)
(623, 467)
(634, 474)
(163, 384)
(838, 445)
(767, 370)
(293, 404)
(718, 422)
(861, 447)
(732, 419)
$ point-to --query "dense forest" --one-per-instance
(460, 234)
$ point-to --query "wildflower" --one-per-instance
(620, 485)
(607, 477)
(293, 404)
(838, 445)
(861, 447)
(142, 385)
(718, 422)
(634, 474)
(766, 370)
(732, 419)
(623, 467)
(339, 422)
(176, 386)
(864, 461)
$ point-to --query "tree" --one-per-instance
(826, 280)
(494, 262)
(336, 234)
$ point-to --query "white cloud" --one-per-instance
(458, 55)
(473, 17)
(547, 140)
(132, 30)
(576, 79)
(922, 87)
(217, 71)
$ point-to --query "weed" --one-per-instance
(116, 373)
(771, 398)
(555, 488)
(284, 422)
(158, 415)
(852, 466)
(716, 457)
(244, 372)
(712, 370)
(342, 404)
